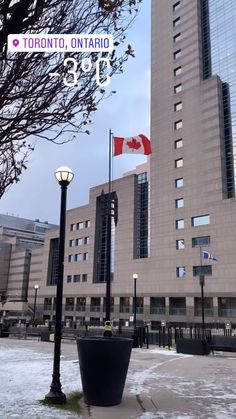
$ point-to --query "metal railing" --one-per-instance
(173, 311)
(157, 310)
(80, 308)
(209, 312)
(124, 309)
(226, 312)
(139, 310)
(69, 308)
(47, 307)
(95, 309)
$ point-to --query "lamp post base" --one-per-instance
(56, 397)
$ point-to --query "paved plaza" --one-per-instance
(160, 384)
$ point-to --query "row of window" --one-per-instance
(79, 241)
(77, 278)
(195, 221)
(80, 225)
(197, 270)
(78, 257)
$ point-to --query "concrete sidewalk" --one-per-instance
(160, 384)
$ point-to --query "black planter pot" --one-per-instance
(104, 364)
(192, 346)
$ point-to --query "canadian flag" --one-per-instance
(137, 145)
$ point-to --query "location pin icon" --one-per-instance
(15, 42)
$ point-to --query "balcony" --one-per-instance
(95, 309)
(124, 309)
(80, 308)
(157, 310)
(174, 311)
(209, 312)
(69, 308)
(227, 312)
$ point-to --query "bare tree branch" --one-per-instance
(35, 105)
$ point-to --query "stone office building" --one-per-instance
(192, 186)
(18, 236)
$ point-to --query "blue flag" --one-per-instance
(208, 255)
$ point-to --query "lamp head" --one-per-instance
(135, 276)
(64, 175)
(36, 287)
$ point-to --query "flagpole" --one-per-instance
(108, 246)
(202, 283)
(110, 159)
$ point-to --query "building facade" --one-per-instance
(18, 236)
(189, 204)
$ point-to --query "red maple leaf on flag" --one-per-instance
(134, 144)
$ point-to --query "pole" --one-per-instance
(135, 304)
(55, 394)
(108, 239)
(202, 281)
(35, 298)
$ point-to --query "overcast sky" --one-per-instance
(127, 113)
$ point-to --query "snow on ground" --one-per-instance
(169, 385)
(25, 377)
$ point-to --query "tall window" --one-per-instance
(100, 246)
(141, 217)
(53, 262)
(84, 277)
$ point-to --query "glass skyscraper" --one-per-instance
(219, 51)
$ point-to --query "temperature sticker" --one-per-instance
(71, 79)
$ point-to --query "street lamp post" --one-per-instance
(64, 176)
(36, 287)
(135, 277)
